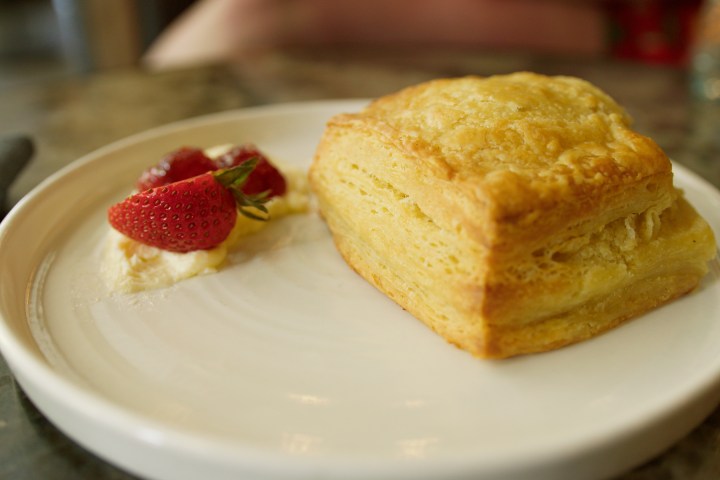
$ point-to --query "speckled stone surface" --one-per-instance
(70, 117)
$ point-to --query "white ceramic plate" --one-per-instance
(288, 365)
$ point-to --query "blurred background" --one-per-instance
(44, 39)
(41, 39)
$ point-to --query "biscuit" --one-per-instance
(511, 214)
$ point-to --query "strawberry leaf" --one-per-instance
(233, 179)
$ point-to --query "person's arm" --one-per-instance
(220, 29)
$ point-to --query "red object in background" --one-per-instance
(652, 31)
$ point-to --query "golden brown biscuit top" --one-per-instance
(513, 156)
(559, 129)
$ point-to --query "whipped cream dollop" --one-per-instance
(130, 266)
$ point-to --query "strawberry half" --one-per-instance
(185, 162)
(193, 214)
(265, 178)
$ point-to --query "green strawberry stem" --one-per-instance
(233, 179)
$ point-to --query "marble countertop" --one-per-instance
(71, 116)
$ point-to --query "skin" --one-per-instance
(216, 30)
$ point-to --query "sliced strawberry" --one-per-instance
(193, 214)
(185, 162)
(265, 177)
